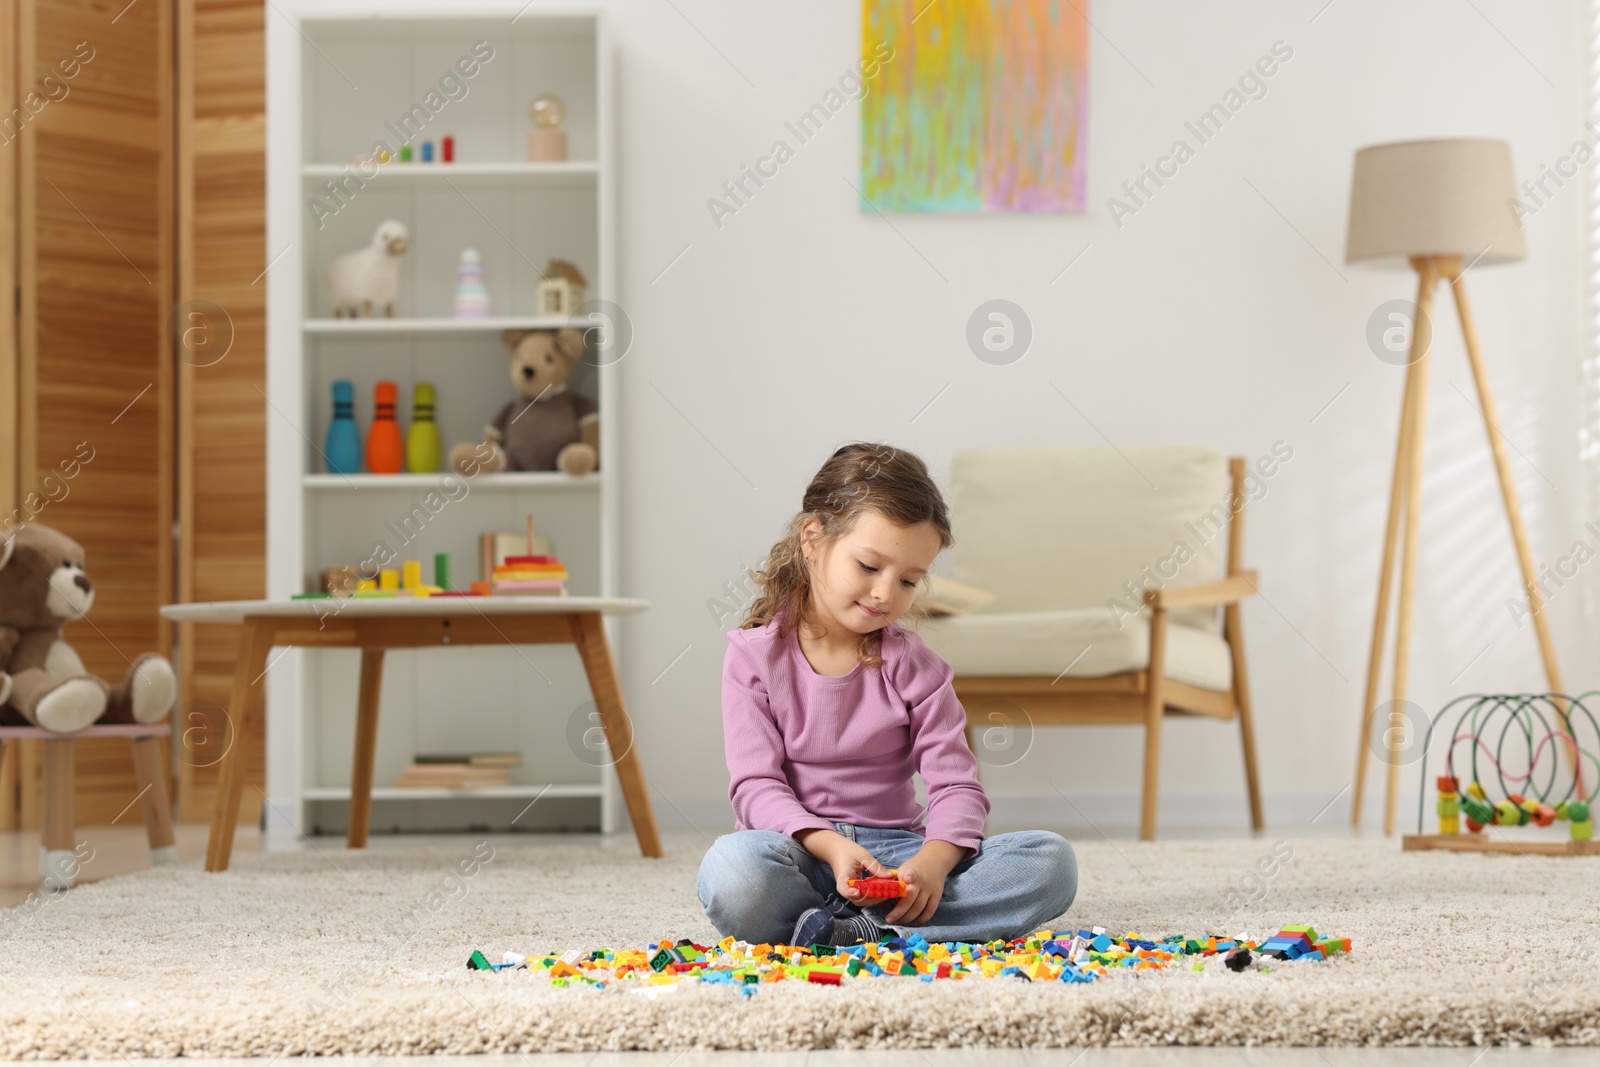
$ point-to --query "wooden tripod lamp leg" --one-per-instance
(1422, 349)
(1508, 492)
(1385, 572)
(1412, 403)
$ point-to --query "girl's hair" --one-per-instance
(856, 479)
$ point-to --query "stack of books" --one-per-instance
(459, 770)
(530, 576)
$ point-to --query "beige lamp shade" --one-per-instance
(1434, 198)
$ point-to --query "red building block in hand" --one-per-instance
(878, 888)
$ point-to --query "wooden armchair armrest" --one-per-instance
(1230, 590)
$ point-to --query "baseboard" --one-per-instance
(1115, 814)
(1083, 816)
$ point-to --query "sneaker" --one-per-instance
(818, 926)
(848, 929)
(815, 927)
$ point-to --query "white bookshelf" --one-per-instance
(339, 74)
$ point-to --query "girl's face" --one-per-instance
(868, 578)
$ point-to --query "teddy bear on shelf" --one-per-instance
(42, 681)
(546, 428)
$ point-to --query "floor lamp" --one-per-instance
(1443, 208)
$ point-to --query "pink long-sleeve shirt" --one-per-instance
(805, 750)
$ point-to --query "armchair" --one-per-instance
(1103, 564)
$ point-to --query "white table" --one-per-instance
(375, 624)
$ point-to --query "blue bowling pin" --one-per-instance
(343, 447)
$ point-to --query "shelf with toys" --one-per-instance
(444, 227)
(559, 172)
(447, 326)
(553, 790)
(410, 483)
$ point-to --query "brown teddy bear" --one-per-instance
(42, 681)
(547, 428)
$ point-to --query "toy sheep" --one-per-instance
(369, 277)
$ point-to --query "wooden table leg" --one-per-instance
(155, 798)
(589, 634)
(255, 641)
(56, 862)
(366, 746)
(9, 764)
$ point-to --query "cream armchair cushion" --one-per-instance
(1066, 538)
(1086, 640)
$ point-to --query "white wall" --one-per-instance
(1221, 311)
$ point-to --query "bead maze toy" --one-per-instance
(1523, 763)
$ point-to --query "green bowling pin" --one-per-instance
(423, 451)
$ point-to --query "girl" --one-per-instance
(828, 707)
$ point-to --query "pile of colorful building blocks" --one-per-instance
(1045, 956)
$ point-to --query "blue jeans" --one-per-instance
(754, 884)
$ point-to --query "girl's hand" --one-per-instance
(849, 860)
(924, 876)
(924, 888)
(846, 858)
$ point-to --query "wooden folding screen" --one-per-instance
(132, 230)
(90, 139)
(222, 206)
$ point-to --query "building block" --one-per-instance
(878, 888)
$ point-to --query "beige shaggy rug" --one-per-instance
(333, 952)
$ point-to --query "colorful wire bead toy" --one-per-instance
(1539, 749)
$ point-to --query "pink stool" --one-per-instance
(57, 860)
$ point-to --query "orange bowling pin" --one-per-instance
(386, 448)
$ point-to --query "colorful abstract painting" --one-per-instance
(973, 105)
